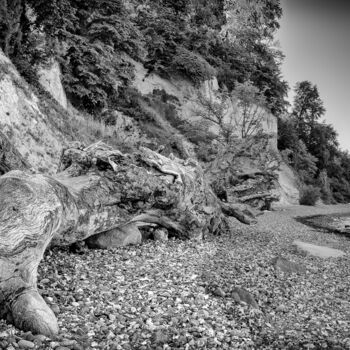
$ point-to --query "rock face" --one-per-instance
(185, 95)
(50, 79)
(24, 122)
(317, 250)
(288, 183)
(38, 127)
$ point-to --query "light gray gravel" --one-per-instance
(164, 295)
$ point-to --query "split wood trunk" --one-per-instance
(96, 190)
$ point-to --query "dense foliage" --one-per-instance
(311, 146)
(197, 39)
(88, 38)
(309, 195)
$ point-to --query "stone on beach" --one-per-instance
(317, 250)
(286, 266)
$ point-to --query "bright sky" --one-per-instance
(315, 37)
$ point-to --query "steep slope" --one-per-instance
(289, 184)
(37, 129)
(247, 170)
(36, 124)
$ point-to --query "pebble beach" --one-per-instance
(186, 295)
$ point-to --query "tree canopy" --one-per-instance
(198, 39)
(311, 146)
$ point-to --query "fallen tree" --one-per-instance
(98, 190)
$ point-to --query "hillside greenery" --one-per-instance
(310, 145)
(232, 40)
(197, 39)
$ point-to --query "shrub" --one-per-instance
(90, 72)
(132, 103)
(206, 152)
(309, 195)
(192, 65)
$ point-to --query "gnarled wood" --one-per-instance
(98, 189)
(239, 211)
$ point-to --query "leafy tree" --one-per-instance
(163, 29)
(239, 49)
(312, 146)
(309, 195)
(250, 22)
(178, 6)
(89, 75)
(160, 33)
(209, 13)
(252, 108)
(287, 134)
(251, 26)
(323, 143)
(239, 113)
(57, 18)
(266, 75)
(192, 65)
(307, 109)
(213, 111)
(304, 162)
(94, 35)
(11, 21)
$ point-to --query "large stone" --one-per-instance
(242, 295)
(161, 234)
(317, 250)
(50, 79)
(25, 344)
(118, 237)
(286, 266)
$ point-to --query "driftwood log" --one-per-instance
(97, 189)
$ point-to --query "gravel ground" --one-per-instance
(180, 295)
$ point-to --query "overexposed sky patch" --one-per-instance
(315, 37)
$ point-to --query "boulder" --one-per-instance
(317, 250)
(161, 234)
(286, 266)
(118, 237)
(241, 295)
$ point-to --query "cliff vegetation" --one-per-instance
(102, 46)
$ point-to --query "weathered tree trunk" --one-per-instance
(97, 189)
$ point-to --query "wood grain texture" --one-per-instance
(97, 189)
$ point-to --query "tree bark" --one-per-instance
(96, 190)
